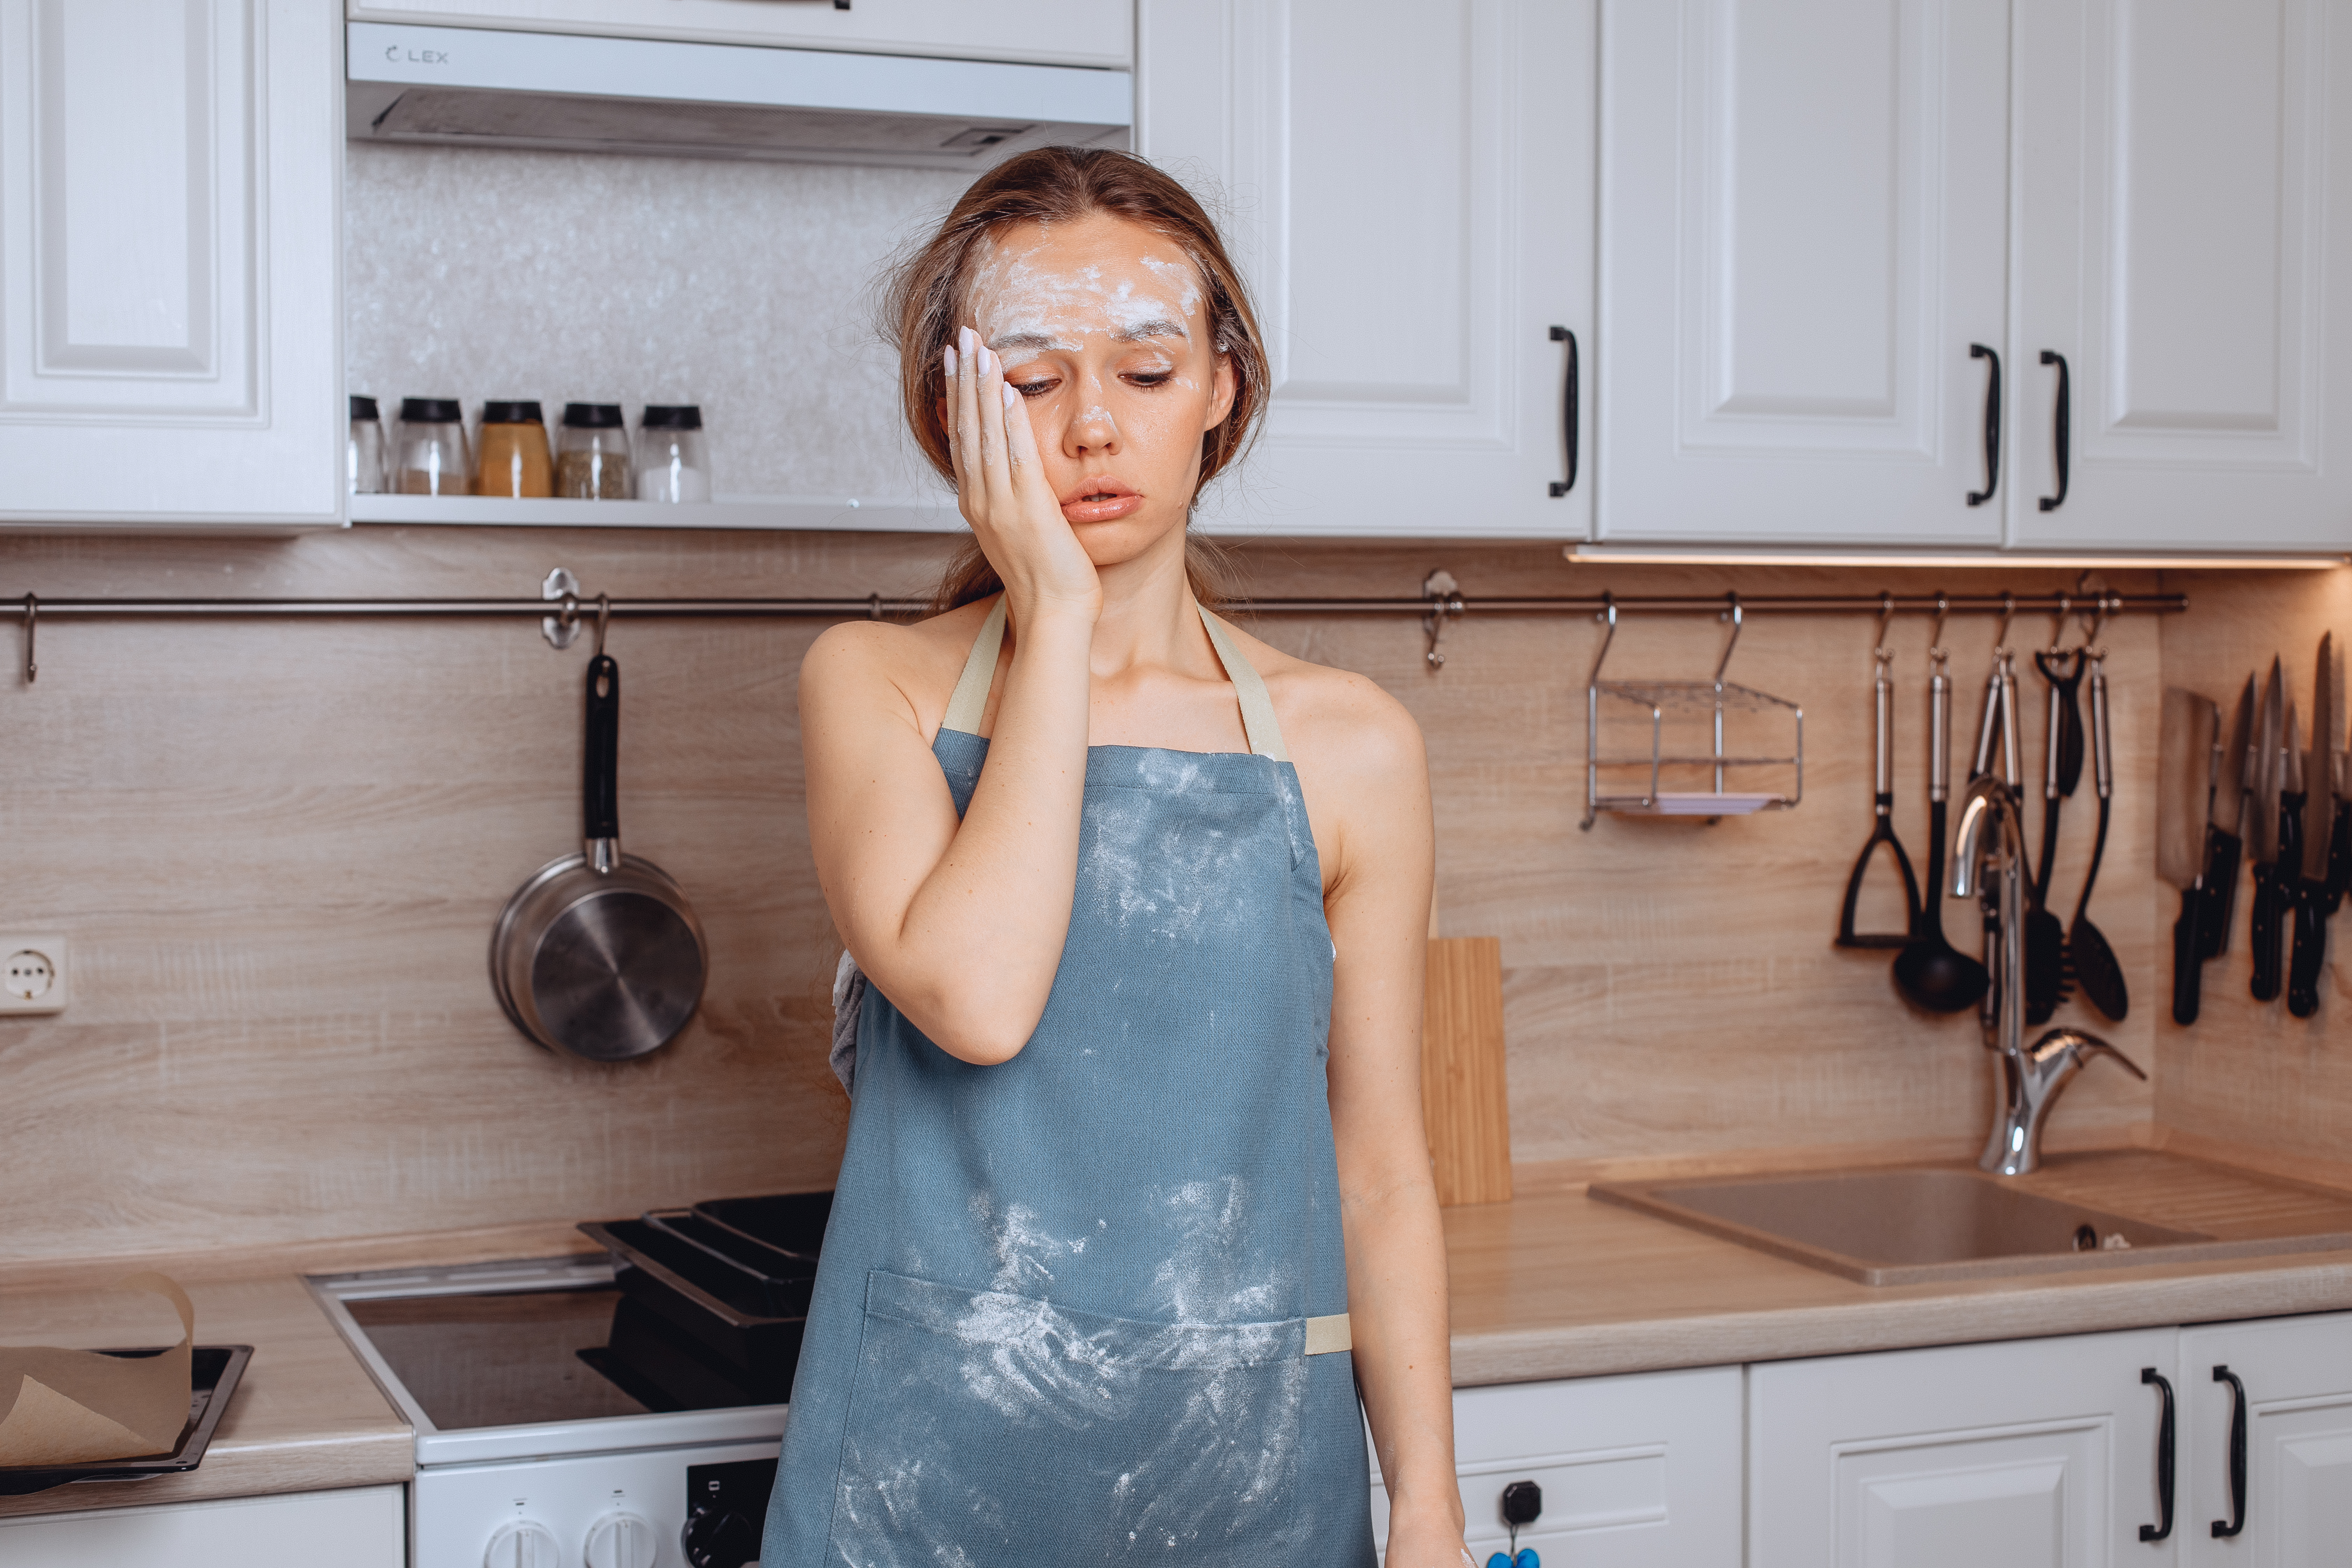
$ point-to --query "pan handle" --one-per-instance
(600, 794)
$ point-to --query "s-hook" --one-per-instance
(32, 624)
(1445, 596)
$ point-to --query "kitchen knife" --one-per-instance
(2286, 880)
(2263, 779)
(2184, 789)
(2340, 846)
(2317, 779)
(2224, 839)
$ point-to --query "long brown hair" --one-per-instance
(924, 298)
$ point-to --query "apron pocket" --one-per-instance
(998, 1431)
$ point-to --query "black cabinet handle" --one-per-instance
(2163, 1527)
(1567, 412)
(2063, 420)
(1993, 426)
(2224, 1529)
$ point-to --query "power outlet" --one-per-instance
(35, 974)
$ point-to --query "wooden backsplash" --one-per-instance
(279, 849)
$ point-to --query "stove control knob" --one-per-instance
(621, 1540)
(523, 1544)
(720, 1538)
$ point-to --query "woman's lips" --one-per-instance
(1100, 501)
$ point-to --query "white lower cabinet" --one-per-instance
(2295, 1506)
(1641, 1471)
(2030, 1454)
(364, 1527)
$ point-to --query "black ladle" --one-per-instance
(2088, 957)
(1930, 972)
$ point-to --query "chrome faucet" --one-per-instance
(1989, 863)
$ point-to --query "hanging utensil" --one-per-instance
(2046, 938)
(2184, 793)
(2089, 960)
(599, 955)
(2264, 838)
(1883, 829)
(2311, 906)
(2225, 844)
(1929, 970)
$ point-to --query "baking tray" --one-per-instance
(214, 1372)
(789, 1221)
(679, 1284)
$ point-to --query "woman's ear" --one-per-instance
(1221, 388)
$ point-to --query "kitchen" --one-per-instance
(281, 1058)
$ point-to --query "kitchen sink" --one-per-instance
(1914, 1224)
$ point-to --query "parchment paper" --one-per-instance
(77, 1407)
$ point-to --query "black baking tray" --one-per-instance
(694, 1296)
(214, 1372)
(665, 1369)
(789, 1221)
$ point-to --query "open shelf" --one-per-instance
(864, 513)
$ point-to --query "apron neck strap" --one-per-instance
(969, 699)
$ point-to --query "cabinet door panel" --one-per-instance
(1802, 218)
(2036, 1452)
(170, 340)
(1636, 1472)
(2297, 1373)
(2177, 167)
(361, 1528)
(1407, 187)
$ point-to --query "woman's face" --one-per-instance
(1103, 327)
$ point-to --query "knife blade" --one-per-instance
(2339, 841)
(2188, 735)
(2316, 777)
(2225, 839)
(2262, 780)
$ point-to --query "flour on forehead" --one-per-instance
(1011, 293)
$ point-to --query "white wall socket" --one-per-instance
(36, 975)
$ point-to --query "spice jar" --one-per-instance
(433, 459)
(591, 458)
(363, 457)
(673, 461)
(515, 460)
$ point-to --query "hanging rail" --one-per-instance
(1442, 602)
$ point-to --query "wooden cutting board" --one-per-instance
(1465, 1103)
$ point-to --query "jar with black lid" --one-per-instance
(363, 457)
(673, 461)
(515, 460)
(592, 457)
(433, 458)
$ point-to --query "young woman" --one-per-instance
(1136, 1198)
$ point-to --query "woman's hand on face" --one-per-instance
(1001, 488)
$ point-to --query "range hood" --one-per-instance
(476, 87)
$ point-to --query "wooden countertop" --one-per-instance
(1548, 1285)
(1563, 1285)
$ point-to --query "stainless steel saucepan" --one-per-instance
(600, 956)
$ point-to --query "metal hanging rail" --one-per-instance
(563, 604)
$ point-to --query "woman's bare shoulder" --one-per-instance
(920, 661)
(1336, 717)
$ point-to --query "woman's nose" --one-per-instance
(1094, 430)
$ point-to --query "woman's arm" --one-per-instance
(961, 923)
(1374, 786)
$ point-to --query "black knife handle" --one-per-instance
(2222, 863)
(2262, 932)
(2339, 856)
(2188, 961)
(2310, 948)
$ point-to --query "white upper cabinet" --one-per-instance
(1044, 32)
(1802, 224)
(1814, 212)
(170, 325)
(2295, 1377)
(2183, 200)
(2040, 1454)
(1408, 186)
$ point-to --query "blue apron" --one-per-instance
(1087, 1306)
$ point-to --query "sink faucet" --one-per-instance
(1989, 862)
